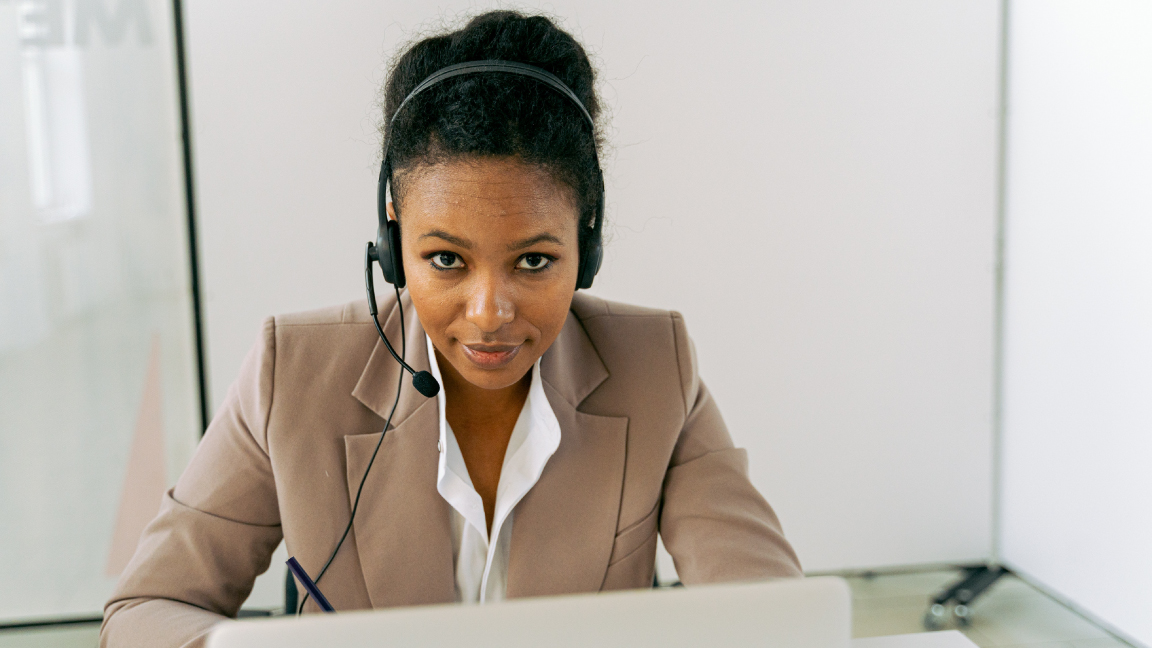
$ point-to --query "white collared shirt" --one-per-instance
(481, 564)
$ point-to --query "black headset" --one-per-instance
(387, 248)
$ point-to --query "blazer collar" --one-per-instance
(571, 366)
(563, 529)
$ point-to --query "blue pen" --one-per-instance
(313, 591)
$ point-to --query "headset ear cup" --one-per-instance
(389, 255)
(590, 265)
(383, 255)
(395, 253)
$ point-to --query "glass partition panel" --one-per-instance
(99, 402)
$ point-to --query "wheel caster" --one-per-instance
(954, 603)
(936, 617)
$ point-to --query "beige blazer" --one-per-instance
(643, 449)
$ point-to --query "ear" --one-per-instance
(391, 211)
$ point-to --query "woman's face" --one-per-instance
(491, 253)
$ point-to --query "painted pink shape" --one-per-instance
(144, 479)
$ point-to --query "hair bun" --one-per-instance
(497, 35)
(499, 115)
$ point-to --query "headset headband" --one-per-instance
(473, 67)
(511, 67)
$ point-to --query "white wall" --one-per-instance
(1077, 448)
(811, 183)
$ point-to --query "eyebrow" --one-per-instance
(454, 240)
(467, 245)
(529, 242)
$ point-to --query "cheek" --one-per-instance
(435, 307)
(549, 309)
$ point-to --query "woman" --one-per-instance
(569, 431)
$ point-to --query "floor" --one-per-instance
(1012, 614)
(75, 636)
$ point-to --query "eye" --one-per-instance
(446, 261)
(534, 262)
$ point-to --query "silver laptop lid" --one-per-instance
(801, 613)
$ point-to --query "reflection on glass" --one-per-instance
(56, 132)
(98, 401)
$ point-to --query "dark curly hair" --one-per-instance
(498, 114)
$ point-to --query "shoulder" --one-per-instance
(605, 319)
(335, 338)
(340, 322)
(624, 318)
(351, 313)
(639, 344)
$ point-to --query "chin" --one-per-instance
(493, 378)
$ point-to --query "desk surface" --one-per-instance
(84, 636)
(948, 639)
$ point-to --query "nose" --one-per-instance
(490, 303)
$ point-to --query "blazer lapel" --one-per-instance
(402, 530)
(563, 529)
(376, 388)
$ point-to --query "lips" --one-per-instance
(490, 356)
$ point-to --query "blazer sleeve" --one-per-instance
(714, 522)
(216, 530)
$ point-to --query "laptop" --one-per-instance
(802, 613)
